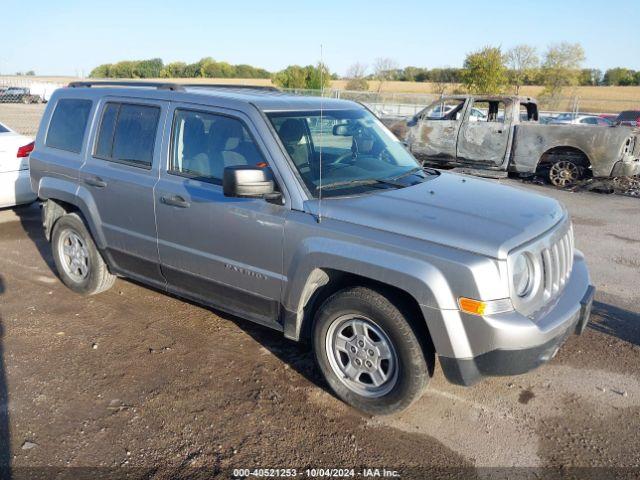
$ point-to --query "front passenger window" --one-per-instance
(204, 144)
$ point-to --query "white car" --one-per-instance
(571, 119)
(15, 185)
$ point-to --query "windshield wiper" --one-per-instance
(427, 170)
(361, 181)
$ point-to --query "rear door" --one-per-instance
(435, 132)
(120, 172)
(222, 251)
(484, 139)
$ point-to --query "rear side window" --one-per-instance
(128, 133)
(68, 124)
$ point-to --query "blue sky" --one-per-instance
(67, 37)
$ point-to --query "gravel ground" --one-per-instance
(138, 379)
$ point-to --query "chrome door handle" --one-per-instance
(95, 182)
(175, 201)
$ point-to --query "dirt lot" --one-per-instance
(136, 378)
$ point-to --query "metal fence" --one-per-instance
(23, 99)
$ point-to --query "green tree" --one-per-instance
(309, 77)
(294, 76)
(522, 61)
(485, 71)
(149, 68)
(619, 76)
(590, 77)
(101, 71)
(174, 70)
(561, 69)
(318, 77)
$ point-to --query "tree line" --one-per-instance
(294, 76)
(488, 70)
(155, 68)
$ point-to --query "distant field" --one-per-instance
(593, 99)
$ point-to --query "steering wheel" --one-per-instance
(341, 160)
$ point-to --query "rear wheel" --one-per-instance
(369, 353)
(565, 172)
(78, 261)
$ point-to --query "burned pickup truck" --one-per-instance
(503, 133)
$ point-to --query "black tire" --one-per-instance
(415, 356)
(98, 279)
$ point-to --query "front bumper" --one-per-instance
(511, 344)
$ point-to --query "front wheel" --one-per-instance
(369, 353)
(78, 261)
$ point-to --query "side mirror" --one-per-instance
(342, 130)
(413, 121)
(244, 181)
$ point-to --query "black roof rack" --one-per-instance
(232, 86)
(120, 83)
(166, 85)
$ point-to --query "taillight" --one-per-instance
(638, 121)
(25, 150)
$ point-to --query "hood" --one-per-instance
(463, 212)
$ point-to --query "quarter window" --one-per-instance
(128, 133)
(68, 124)
(204, 144)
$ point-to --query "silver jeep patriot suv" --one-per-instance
(308, 216)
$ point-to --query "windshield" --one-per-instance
(359, 154)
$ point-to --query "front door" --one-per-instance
(120, 173)
(484, 135)
(435, 130)
(223, 251)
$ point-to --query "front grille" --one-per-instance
(557, 262)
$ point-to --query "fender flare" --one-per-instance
(69, 192)
(421, 280)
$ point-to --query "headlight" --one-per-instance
(522, 275)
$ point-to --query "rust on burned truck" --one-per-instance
(503, 133)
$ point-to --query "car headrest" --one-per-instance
(291, 131)
(226, 134)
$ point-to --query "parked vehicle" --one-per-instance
(609, 116)
(15, 185)
(244, 200)
(512, 139)
(581, 120)
(20, 95)
(630, 118)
